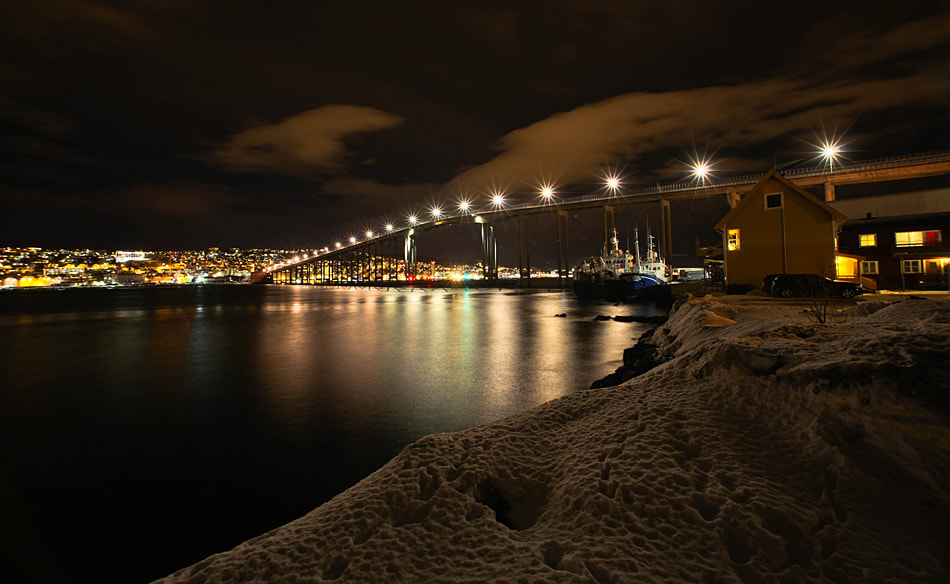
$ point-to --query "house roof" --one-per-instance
(836, 215)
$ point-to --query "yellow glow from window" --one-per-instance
(733, 241)
(867, 239)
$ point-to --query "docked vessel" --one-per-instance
(617, 274)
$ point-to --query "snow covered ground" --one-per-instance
(768, 448)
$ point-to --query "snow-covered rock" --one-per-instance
(767, 448)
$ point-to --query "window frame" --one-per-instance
(868, 263)
(870, 236)
(781, 200)
(920, 238)
(732, 235)
(911, 263)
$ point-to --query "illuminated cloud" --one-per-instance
(312, 141)
(576, 144)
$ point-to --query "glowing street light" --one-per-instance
(389, 227)
(612, 183)
(338, 245)
(464, 206)
(497, 200)
(830, 151)
(547, 193)
(701, 170)
(369, 235)
(352, 240)
(413, 219)
(436, 213)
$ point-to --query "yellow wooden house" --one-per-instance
(778, 227)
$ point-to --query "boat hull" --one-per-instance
(621, 290)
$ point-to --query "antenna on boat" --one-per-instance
(636, 239)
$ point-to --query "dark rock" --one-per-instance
(644, 319)
(637, 360)
(601, 317)
(562, 315)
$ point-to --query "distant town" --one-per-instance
(23, 267)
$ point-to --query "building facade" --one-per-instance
(778, 227)
(904, 252)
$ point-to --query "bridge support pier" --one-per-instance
(524, 248)
(563, 259)
(829, 192)
(666, 231)
(608, 225)
(409, 255)
(489, 252)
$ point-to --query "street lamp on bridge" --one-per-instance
(497, 199)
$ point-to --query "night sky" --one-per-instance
(172, 124)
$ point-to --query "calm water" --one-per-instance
(144, 429)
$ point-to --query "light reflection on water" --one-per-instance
(256, 404)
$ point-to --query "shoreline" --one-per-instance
(764, 445)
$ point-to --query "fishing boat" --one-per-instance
(617, 274)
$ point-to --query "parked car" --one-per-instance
(767, 283)
(812, 286)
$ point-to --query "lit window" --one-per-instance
(867, 240)
(910, 266)
(869, 267)
(773, 201)
(733, 243)
(916, 238)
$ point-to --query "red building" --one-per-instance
(896, 242)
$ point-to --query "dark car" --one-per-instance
(767, 282)
(812, 286)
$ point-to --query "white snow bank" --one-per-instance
(768, 449)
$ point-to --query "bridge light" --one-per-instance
(389, 227)
(701, 170)
(413, 220)
(830, 150)
(338, 245)
(436, 213)
(497, 200)
(352, 240)
(547, 192)
(464, 206)
(612, 183)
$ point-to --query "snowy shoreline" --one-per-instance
(765, 447)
